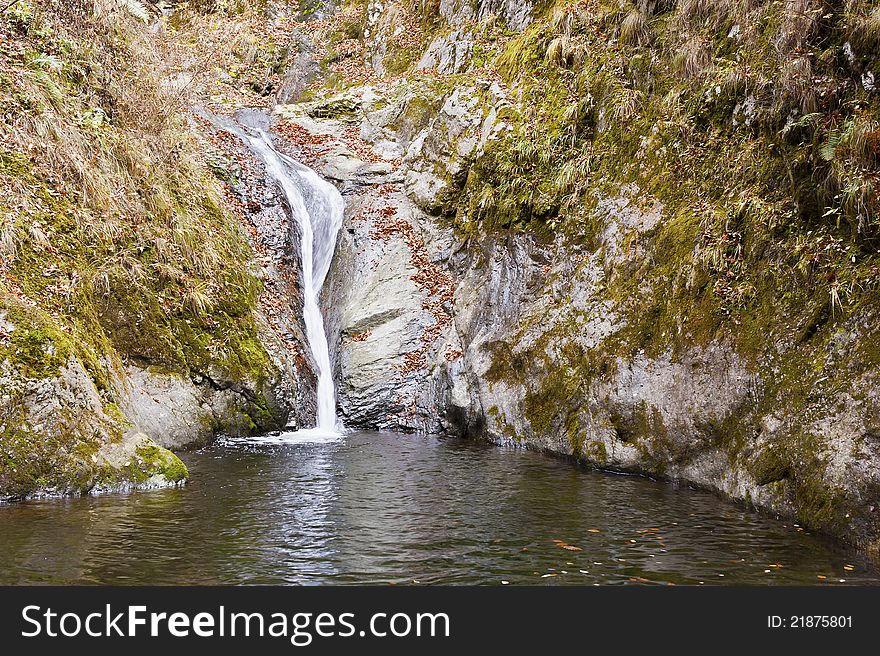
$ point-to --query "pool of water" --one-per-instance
(382, 508)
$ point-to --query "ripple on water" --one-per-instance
(309, 508)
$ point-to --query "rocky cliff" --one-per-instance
(639, 235)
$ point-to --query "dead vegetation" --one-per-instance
(112, 225)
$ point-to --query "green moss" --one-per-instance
(575, 435)
(506, 365)
(40, 457)
(339, 109)
(36, 348)
(596, 452)
(13, 164)
(545, 407)
(156, 460)
(422, 102)
(797, 460)
(770, 466)
(400, 60)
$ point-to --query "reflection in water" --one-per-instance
(382, 508)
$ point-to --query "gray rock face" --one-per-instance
(437, 160)
(449, 53)
(516, 14)
(387, 299)
(525, 353)
(176, 412)
(57, 438)
(298, 76)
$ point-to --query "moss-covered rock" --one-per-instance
(118, 254)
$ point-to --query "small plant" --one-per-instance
(198, 301)
(9, 238)
(136, 9)
(559, 52)
(634, 28)
(693, 58)
(864, 30)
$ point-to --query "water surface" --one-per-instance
(386, 508)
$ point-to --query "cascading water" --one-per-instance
(317, 207)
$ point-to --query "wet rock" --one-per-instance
(179, 412)
(376, 314)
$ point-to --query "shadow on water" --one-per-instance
(385, 508)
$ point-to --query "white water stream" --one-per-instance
(317, 207)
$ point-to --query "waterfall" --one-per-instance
(317, 207)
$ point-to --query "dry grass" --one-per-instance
(559, 51)
(799, 22)
(110, 163)
(796, 84)
(864, 27)
(694, 57)
(561, 20)
(634, 28)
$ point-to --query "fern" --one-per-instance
(827, 149)
(136, 9)
(805, 121)
(49, 62)
(837, 138)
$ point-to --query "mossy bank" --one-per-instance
(130, 316)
